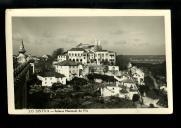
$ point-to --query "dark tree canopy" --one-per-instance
(105, 69)
(102, 77)
(136, 97)
(122, 61)
(57, 52)
(78, 81)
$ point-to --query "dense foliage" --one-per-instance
(43, 66)
(156, 69)
(105, 78)
(122, 61)
(77, 83)
(57, 52)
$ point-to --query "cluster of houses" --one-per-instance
(85, 59)
(126, 84)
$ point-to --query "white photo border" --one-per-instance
(87, 12)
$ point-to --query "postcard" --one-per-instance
(89, 61)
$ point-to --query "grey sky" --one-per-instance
(125, 35)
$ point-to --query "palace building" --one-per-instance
(89, 54)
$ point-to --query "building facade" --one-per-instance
(89, 54)
(105, 57)
(61, 58)
(49, 78)
(78, 55)
(68, 68)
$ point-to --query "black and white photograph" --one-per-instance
(89, 61)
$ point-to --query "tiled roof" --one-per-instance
(52, 74)
(76, 49)
(102, 51)
(105, 51)
(67, 63)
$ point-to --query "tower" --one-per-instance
(22, 49)
(21, 57)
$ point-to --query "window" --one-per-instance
(81, 60)
(75, 54)
(77, 60)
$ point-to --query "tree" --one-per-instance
(15, 62)
(135, 98)
(38, 100)
(55, 86)
(43, 66)
(92, 70)
(78, 83)
(57, 52)
(143, 89)
(105, 69)
(34, 80)
(122, 62)
(90, 77)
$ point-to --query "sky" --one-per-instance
(131, 35)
